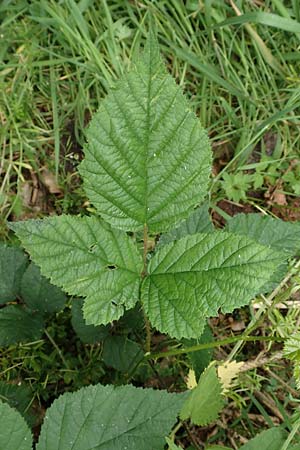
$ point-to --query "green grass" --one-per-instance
(241, 73)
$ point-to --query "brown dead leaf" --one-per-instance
(48, 180)
(278, 198)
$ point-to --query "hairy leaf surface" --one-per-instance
(148, 158)
(110, 418)
(85, 257)
(14, 432)
(192, 278)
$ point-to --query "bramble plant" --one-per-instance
(147, 165)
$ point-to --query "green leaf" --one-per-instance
(18, 397)
(88, 334)
(13, 263)
(280, 235)
(198, 222)
(14, 432)
(200, 360)
(110, 418)
(85, 257)
(121, 353)
(39, 294)
(205, 400)
(292, 347)
(271, 439)
(191, 279)
(19, 324)
(283, 236)
(171, 445)
(148, 150)
(236, 185)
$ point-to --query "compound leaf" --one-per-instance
(13, 263)
(205, 400)
(148, 150)
(19, 324)
(85, 257)
(110, 418)
(39, 294)
(14, 432)
(192, 278)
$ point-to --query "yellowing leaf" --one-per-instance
(204, 401)
(227, 372)
(191, 381)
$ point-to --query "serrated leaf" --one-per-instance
(205, 401)
(272, 439)
(148, 158)
(198, 222)
(14, 432)
(292, 347)
(19, 324)
(227, 372)
(39, 294)
(88, 334)
(110, 418)
(280, 235)
(87, 258)
(283, 236)
(13, 263)
(121, 353)
(192, 278)
(18, 397)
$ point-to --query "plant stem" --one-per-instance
(143, 275)
(145, 251)
(221, 342)
(57, 349)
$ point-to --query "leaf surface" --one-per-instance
(198, 222)
(39, 294)
(272, 439)
(283, 236)
(148, 159)
(192, 278)
(88, 334)
(110, 418)
(14, 432)
(85, 257)
(19, 324)
(205, 400)
(121, 353)
(18, 396)
(280, 235)
(13, 263)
